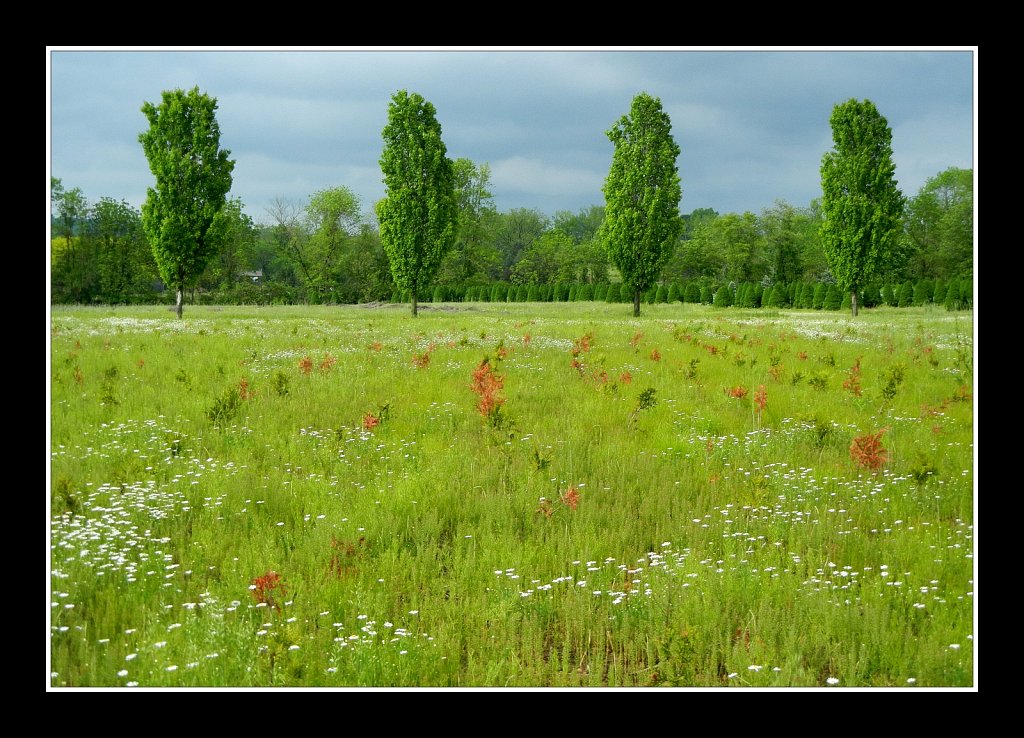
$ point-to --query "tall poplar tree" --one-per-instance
(419, 213)
(861, 204)
(182, 214)
(642, 195)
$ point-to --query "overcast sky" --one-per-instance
(751, 125)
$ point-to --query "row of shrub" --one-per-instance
(953, 294)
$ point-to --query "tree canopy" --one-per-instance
(193, 177)
(862, 206)
(642, 195)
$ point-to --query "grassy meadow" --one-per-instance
(350, 497)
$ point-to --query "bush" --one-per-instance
(673, 293)
(776, 297)
(723, 298)
(966, 294)
(757, 298)
(923, 291)
(806, 301)
(871, 296)
(706, 295)
(833, 298)
(693, 293)
(906, 298)
(820, 293)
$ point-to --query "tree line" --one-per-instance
(447, 240)
(328, 250)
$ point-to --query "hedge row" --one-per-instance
(953, 294)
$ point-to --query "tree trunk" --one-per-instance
(179, 306)
(414, 305)
(636, 303)
(853, 302)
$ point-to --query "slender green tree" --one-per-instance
(193, 177)
(861, 203)
(419, 213)
(642, 195)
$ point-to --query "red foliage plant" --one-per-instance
(571, 497)
(761, 399)
(655, 355)
(626, 378)
(370, 421)
(852, 382)
(306, 365)
(738, 392)
(268, 588)
(243, 390)
(487, 384)
(867, 450)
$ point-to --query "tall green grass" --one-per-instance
(710, 542)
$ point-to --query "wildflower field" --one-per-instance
(521, 495)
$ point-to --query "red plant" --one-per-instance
(370, 421)
(376, 346)
(526, 339)
(487, 384)
(802, 356)
(79, 377)
(776, 371)
(306, 365)
(421, 361)
(927, 409)
(962, 393)
(268, 589)
(761, 399)
(571, 497)
(655, 355)
(345, 556)
(140, 363)
(626, 378)
(738, 392)
(635, 340)
(711, 349)
(582, 344)
(852, 382)
(327, 363)
(867, 450)
(243, 390)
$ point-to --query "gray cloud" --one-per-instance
(751, 125)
